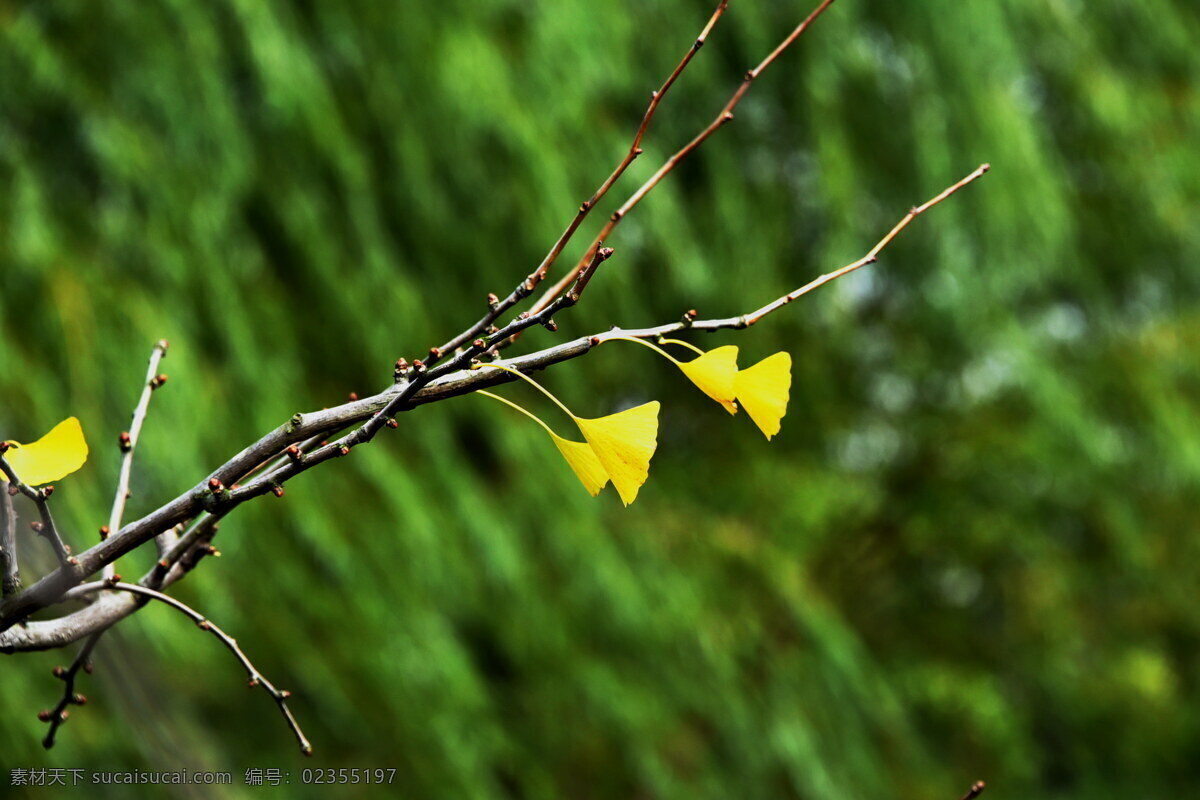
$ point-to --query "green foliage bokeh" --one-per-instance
(969, 554)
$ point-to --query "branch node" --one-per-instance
(125, 442)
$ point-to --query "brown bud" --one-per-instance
(391, 423)
(103, 532)
(3, 448)
(64, 715)
(215, 485)
(693, 313)
(44, 715)
(551, 325)
(293, 452)
(58, 671)
(492, 299)
(353, 396)
(252, 683)
(493, 329)
(204, 625)
(87, 667)
(480, 343)
(36, 525)
(125, 442)
(12, 491)
(435, 353)
(523, 315)
(595, 340)
(277, 490)
(402, 364)
(47, 491)
(115, 579)
(345, 450)
(285, 694)
(79, 699)
(158, 380)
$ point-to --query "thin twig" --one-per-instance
(975, 790)
(497, 306)
(83, 660)
(872, 255)
(724, 116)
(129, 441)
(255, 677)
(200, 532)
(45, 527)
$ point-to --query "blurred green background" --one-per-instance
(969, 554)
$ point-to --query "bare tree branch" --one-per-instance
(184, 527)
(431, 386)
(496, 306)
(975, 790)
(129, 440)
(725, 115)
(44, 527)
(256, 678)
(60, 713)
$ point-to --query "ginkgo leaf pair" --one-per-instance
(56, 455)
(617, 447)
(763, 389)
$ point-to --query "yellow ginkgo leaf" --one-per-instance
(583, 462)
(579, 456)
(763, 391)
(711, 371)
(624, 442)
(714, 373)
(56, 455)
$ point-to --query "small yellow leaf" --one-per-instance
(56, 455)
(584, 462)
(624, 442)
(714, 373)
(763, 390)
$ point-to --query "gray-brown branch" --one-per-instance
(454, 378)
